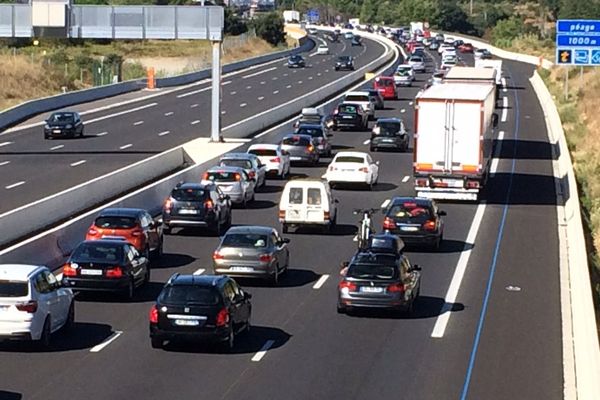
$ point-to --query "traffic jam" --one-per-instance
(451, 144)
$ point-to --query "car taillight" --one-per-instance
(429, 225)
(389, 223)
(217, 255)
(310, 148)
(421, 182)
(251, 174)
(275, 160)
(154, 315)
(363, 169)
(281, 213)
(265, 258)
(68, 270)
(237, 177)
(168, 205)
(396, 288)
(326, 215)
(336, 111)
(92, 231)
(222, 318)
(137, 232)
(472, 184)
(208, 204)
(115, 272)
(30, 306)
(347, 287)
(205, 176)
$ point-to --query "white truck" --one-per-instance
(416, 28)
(474, 75)
(495, 64)
(453, 140)
(291, 16)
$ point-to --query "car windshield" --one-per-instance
(314, 132)
(99, 252)
(13, 289)
(357, 98)
(350, 159)
(189, 294)
(222, 176)
(372, 271)
(379, 244)
(387, 128)
(344, 59)
(251, 240)
(410, 212)
(348, 109)
(61, 117)
(189, 194)
(384, 82)
(114, 222)
(263, 152)
(295, 58)
(416, 59)
(403, 72)
(234, 162)
(295, 141)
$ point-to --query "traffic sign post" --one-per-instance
(312, 15)
(578, 42)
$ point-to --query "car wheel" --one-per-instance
(81, 133)
(156, 343)
(147, 276)
(158, 251)
(70, 322)
(217, 227)
(275, 277)
(44, 340)
(130, 291)
(284, 228)
(373, 148)
(229, 344)
(248, 326)
(341, 309)
(46, 137)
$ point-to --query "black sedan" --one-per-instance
(106, 265)
(379, 281)
(350, 116)
(389, 133)
(63, 124)
(344, 63)
(201, 308)
(415, 220)
(195, 205)
(296, 61)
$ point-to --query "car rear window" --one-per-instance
(295, 196)
(314, 132)
(416, 59)
(189, 194)
(232, 162)
(98, 252)
(350, 159)
(348, 109)
(314, 196)
(62, 117)
(296, 141)
(252, 240)
(111, 222)
(190, 294)
(384, 82)
(222, 176)
(344, 59)
(357, 98)
(263, 152)
(372, 271)
(387, 128)
(410, 212)
(13, 289)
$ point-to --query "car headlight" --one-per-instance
(69, 126)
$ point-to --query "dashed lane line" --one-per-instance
(14, 185)
(263, 351)
(138, 123)
(259, 72)
(108, 341)
(126, 146)
(321, 281)
(199, 271)
(60, 146)
(164, 133)
(405, 179)
(77, 163)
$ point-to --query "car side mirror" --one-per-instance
(442, 213)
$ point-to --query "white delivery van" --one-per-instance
(307, 202)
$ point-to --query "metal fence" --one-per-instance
(15, 20)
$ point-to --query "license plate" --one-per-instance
(91, 272)
(409, 228)
(226, 188)
(56, 131)
(186, 322)
(347, 117)
(188, 211)
(371, 289)
(295, 158)
(241, 269)
(4, 308)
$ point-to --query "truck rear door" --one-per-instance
(463, 141)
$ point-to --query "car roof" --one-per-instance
(350, 154)
(389, 119)
(250, 229)
(269, 146)
(216, 168)
(18, 272)
(310, 126)
(194, 185)
(384, 77)
(404, 66)
(300, 135)
(242, 156)
(200, 280)
(121, 212)
(421, 201)
(105, 240)
(358, 93)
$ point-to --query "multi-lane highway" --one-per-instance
(32, 168)
(486, 327)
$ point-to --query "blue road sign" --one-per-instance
(313, 15)
(577, 42)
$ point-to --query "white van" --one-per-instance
(306, 202)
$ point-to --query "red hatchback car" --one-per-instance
(134, 225)
(386, 86)
(465, 48)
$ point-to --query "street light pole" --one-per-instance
(215, 125)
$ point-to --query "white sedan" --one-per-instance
(33, 304)
(323, 50)
(273, 157)
(352, 167)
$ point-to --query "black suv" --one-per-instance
(296, 61)
(197, 205)
(344, 62)
(200, 307)
(389, 133)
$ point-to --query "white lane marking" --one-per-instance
(14, 185)
(223, 112)
(274, 78)
(179, 96)
(385, 203)
(496, 159)
(101, 134)
(138, 123)
(504, 109)
(60, 146)
(285, 74)
(261, 97)
(321, 281)
(5, 144)
(4, 163)
(232, 93)
(199, 271)
(78, 163)
(91, 121)
(108, 341)
(275, 91)
(318, 74)
(225, 83)
(310, 78)
(258, 356)
(167, 114)
(405, 179)
(248, 87)
(450, 298)
(403, 110)
(504, 88)
(326, 70)
(195, 122)
(259, 72)
(194, 105)
(263, 82)
(410, 103)
(125, 146)
(288, 86)
(367, 141)
(243, 105)
(164, 133)
(300, 82)
(238, 140)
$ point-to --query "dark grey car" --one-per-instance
(63, 124)
(320, 135)
(253, 252)
(389, 133)
(302, 148)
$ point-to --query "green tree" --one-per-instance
(369, 11)
(234, 25)
(270, 28)
(449, 17)
(579, 9)
(507, 30)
